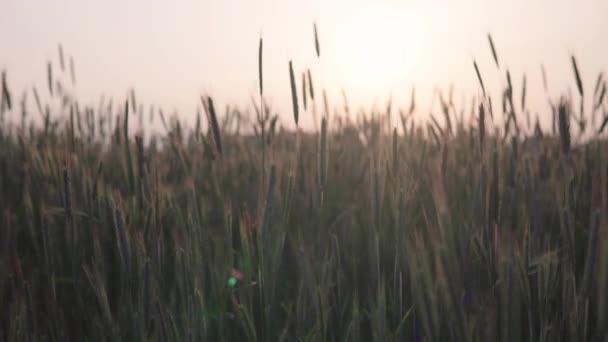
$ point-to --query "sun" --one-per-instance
(376, 47)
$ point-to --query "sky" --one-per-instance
(172, 52)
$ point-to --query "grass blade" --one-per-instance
(294, 93)
(579, 83)
(493, 50)
(564, 125)
(261, 80)
(413, 100)
(311, 89)
(317, 48)
(304, 90)
(72, 71)
(482, 124)
(523, 93)
(215, 128)
(6, 95)
(323, 154)
(483, 88)
(544, 76)
(600, 99)
(49, 77)
(128, 148)
(592, 251)
(61, 59)
(598, 83)
(603, 125)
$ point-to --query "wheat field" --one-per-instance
(371, 226)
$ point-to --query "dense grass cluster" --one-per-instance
(356, 232)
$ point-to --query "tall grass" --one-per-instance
(363, 233)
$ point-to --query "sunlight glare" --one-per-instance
(377, 48)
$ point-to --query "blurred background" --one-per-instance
(172, 52)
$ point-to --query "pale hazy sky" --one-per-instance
(172, 51)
